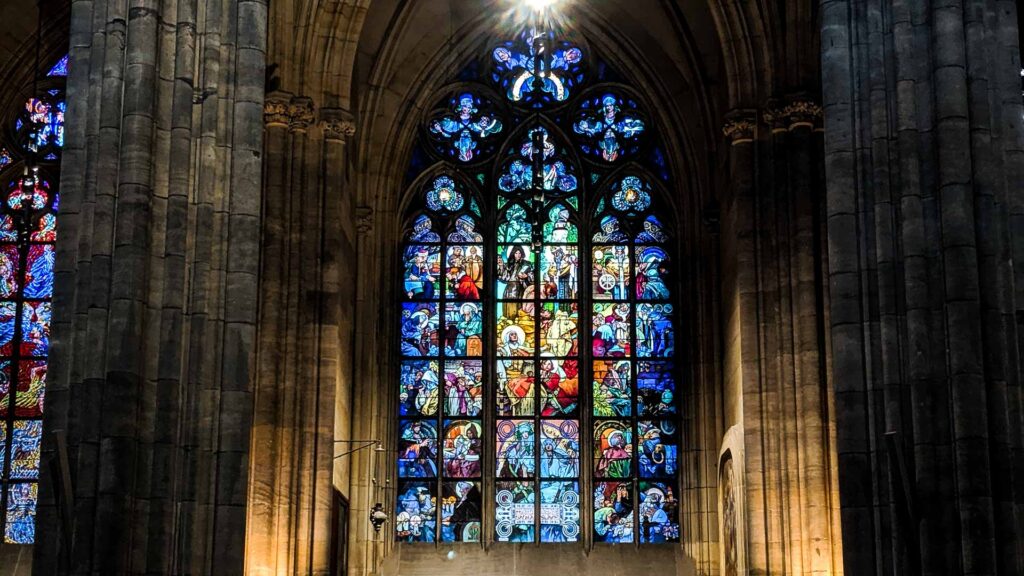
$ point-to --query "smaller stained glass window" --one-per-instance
(41, 126)
(610, 127)
(632, 195)
(515, 69)
(466, 130)
(60, 68)
(444, 195)
(559, 175)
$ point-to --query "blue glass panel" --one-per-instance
(419, 393)
(25, 449)
(417, 452)
(655, 336)
(422, 272)
(612, 388)
(613, 512)
(658, 445)
(611, 326)
(559, 511)
(610, 127)
(7, 312)
(60, 68)
(465, 231)
(518, 175)
(35, 329)
(444, 195)
(460, 512)
(613, 449)
(659, 513)
(21, 513)
(462, 448)
(515, 69)
(39, 279)
(514, 512)
(463, 329)
(464, 132)
(5, 158)
(516, 448)
(656, 389)
(419, 329)
(560, 449)
(653, 269)
(415, 512)
(653, 232)
(611, 231)
(464, 386)
(631, 195)
(423, 231)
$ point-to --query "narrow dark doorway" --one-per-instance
(339, 539)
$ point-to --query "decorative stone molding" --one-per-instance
(301, 114)
(337, 124)
(276, 109)
(800, 112)
(740, 126)
(364, 219)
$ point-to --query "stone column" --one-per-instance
(307, 300)
(777, 402)
(925, 159)
(155, 303)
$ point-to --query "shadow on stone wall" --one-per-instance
(537, 560)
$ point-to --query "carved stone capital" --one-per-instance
(798, 112)
(275, 109)
(740, 126)
(337, 124)
(301, 114)
(364, 219)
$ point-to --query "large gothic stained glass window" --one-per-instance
(29, 164)
(538, 216)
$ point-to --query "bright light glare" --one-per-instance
(540, 5)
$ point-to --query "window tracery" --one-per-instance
(29, 198)
(512, 427)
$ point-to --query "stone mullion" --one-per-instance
(962, 299)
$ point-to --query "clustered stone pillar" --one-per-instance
(925, 166)
(775, 373)
(305, 324)
(155, 292)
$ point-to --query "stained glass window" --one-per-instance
(442, 371)
(505, 267)
(26, 288)
(29, 163)
(636, 435)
